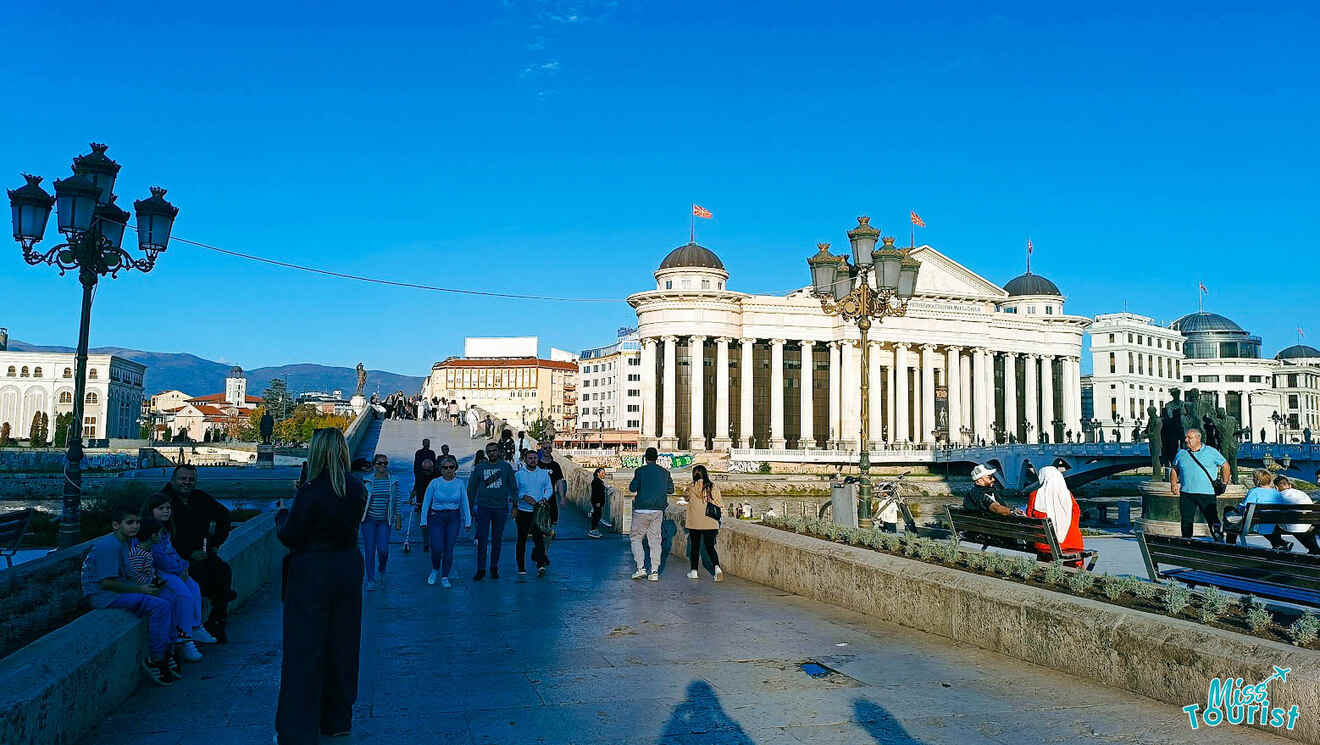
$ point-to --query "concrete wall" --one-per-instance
(58, 687)
(1163, 658)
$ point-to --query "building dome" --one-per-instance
(1203, 322)
(1031, 284)
(692, 255)
(1298, 352)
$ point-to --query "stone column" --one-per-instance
(649, 412)
(893, 405)
(1029, 380)
(721, 439)
(669, 437)
(1047, 395)
(965, 394)
(1075, 382)
(745, 394)
(777, 441)
(836, 367)
(875, 433)
(807, 438)
(1066, 388)
(1010, 396)
(849, 400)
(903, 433)
(696, 384)
(953, 379)
(927, 393)
(982, 394)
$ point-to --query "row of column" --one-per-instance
(968, 376)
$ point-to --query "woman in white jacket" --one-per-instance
(443, 508)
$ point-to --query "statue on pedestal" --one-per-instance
(1229, 432)
(361, 379)
(267, 427)
(1154, 436)
(1171, 426)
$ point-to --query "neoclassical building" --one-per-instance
(970, 361)
(32, 382)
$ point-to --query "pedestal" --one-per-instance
(1159, 509)
(721, 444)
(358, 403)
(668, 443)
(265, 456)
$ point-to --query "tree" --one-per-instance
(276, 399)
(144, 430)
(45, 428)
(4, 435)
(304, 420)
(62, 424)
(34, 432)
(541, 429)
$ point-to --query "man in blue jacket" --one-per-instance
(492, 489)
(652, 485)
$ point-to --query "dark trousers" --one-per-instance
(216, 580)
(1188, 504)
(697, 539)
(524, 522)
(597, 508)
(322, 633)
(490, 530)
(1307, 540)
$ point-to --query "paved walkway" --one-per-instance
(586, 655)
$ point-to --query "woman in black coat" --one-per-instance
(598, 493)
(322, 597)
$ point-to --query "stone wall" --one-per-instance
(62, 684)
(40, 595)
(1166, 659)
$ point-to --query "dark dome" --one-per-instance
(1203, 321)
(1297, 351)
(1031, 284)
(691, 255)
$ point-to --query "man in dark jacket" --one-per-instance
(201, 524)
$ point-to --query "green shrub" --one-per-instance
(926, 549)
(949, 551)
(891, 543)
(994, 562)
(1146, 590)
(764, 468)
(1176, 598)
(911, 546)
(1055, 574)
(1024, 567)
(974, 559)
(1259, 619)
(1303, 630)
(1214, 602)
(1081, 582)
(1112, 587)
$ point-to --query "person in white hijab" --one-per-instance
(1053, 500)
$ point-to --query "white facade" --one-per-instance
(610, 385)
(1297, 382)
(970, 361)
(32, 382)
(500, 346)
(1135, 363)
(1238, 384)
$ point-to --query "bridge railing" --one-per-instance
(788, 455)
(1094, 449)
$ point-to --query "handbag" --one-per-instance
(713, 511)
(541, 519)
(1215, 483)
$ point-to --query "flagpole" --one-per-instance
(1028, 254)
(692, 226)
(1200, 297)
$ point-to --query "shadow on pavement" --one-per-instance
(700, 718)
(881, 725)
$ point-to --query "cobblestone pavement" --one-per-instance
(585, 655)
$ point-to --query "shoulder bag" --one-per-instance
(1215, 483)
(713, 511)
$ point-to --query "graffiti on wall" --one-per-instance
(666, 460)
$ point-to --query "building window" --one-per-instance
(66, 397)
(1049, 310)
(705, 284)
(24, 372)
(634, 392)
(1187, 378)
(1113, 366)
(90, 398)
(89, 426)
(1233, 379)
(91, 374)
(1250, 379)
(1129, 338)
(634, 360)
(36, 372)
(669, 284)
(1292, 401)
(1207, 378)
(12, 371)
(634, 408)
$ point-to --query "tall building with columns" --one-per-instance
(970, 361)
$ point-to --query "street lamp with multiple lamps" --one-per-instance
(93, 228)
(878, 282)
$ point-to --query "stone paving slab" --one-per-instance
(586, 655)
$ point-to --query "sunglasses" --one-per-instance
(448, 468)
(381, 463)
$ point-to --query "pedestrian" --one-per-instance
(493, 490)
(1192, 482)
(421, 479)
(652, 486)
(201, 525)
(597, 501)
(522, 443)
(473, 419)
(381, 514)
(173, 568)
(703, 527)
(507, 446)
(423, 453)
(534, 493)
(1053, 500)
(546, 460)
(443, 509)
(322, 597)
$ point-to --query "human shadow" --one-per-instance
(880, 724)
(701, 719)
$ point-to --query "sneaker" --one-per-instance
(157, 672)
(540, 571)
(172, 664)
(692, 574)
(430, 580)
(188, 651)
(522, 572)
(444, 582)
(719, 574)
(202, 636)
(639, 574)
(655, 577)
(480, 575)
(593, 533)
(406, 549)
(606, 524)
(494, 573)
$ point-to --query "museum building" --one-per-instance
(970, 361)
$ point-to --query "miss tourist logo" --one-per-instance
(1228, 700)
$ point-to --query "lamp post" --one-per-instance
(1278, 420)
(93, 228)
(877, 283)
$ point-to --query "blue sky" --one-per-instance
(554, 148)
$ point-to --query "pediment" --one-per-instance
(941, 275)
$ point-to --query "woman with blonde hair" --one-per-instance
(323, 597)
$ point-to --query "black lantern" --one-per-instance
(824, 270)
(98, 169)
(888, 261)
(155, 218)
(863, 239)
(907, 276)
(111, 221)
(75, 203)
(31, 205)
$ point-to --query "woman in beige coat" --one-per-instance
(702, 529)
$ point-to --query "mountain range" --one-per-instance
(198, 377)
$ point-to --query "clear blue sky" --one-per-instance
(554, 147)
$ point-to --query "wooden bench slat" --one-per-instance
(1030, 530)
(1272, 590)
(1279, 575)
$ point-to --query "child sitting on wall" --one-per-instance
(185, 607)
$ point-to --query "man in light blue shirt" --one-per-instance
(1191, 480)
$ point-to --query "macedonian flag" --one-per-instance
(700, 211)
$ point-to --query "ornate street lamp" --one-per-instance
(93, 228)
(1278, 420)
(878, 283)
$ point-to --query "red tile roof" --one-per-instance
(509, 362)
(220, 397)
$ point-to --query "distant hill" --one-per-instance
(198, 377)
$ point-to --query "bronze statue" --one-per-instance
(361, 379)
(1172, 427)
(1154, 436)
(267, 427)
(1229, 432)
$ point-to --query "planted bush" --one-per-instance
(1146, 590)
(1303, 631)
(1081, 582)
(1176, 598)
(1055, 574)
(1112, 587)
(1023, 568)
(1259, 619)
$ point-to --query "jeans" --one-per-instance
(1307, 539)
(216, 579)
(160, 619)
(490, 530)
(597, 508)
(523, 520)
(698, 538)
(443, 526)
(376, 542)
(647, 526)
(1188, 504)
(187, 600)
